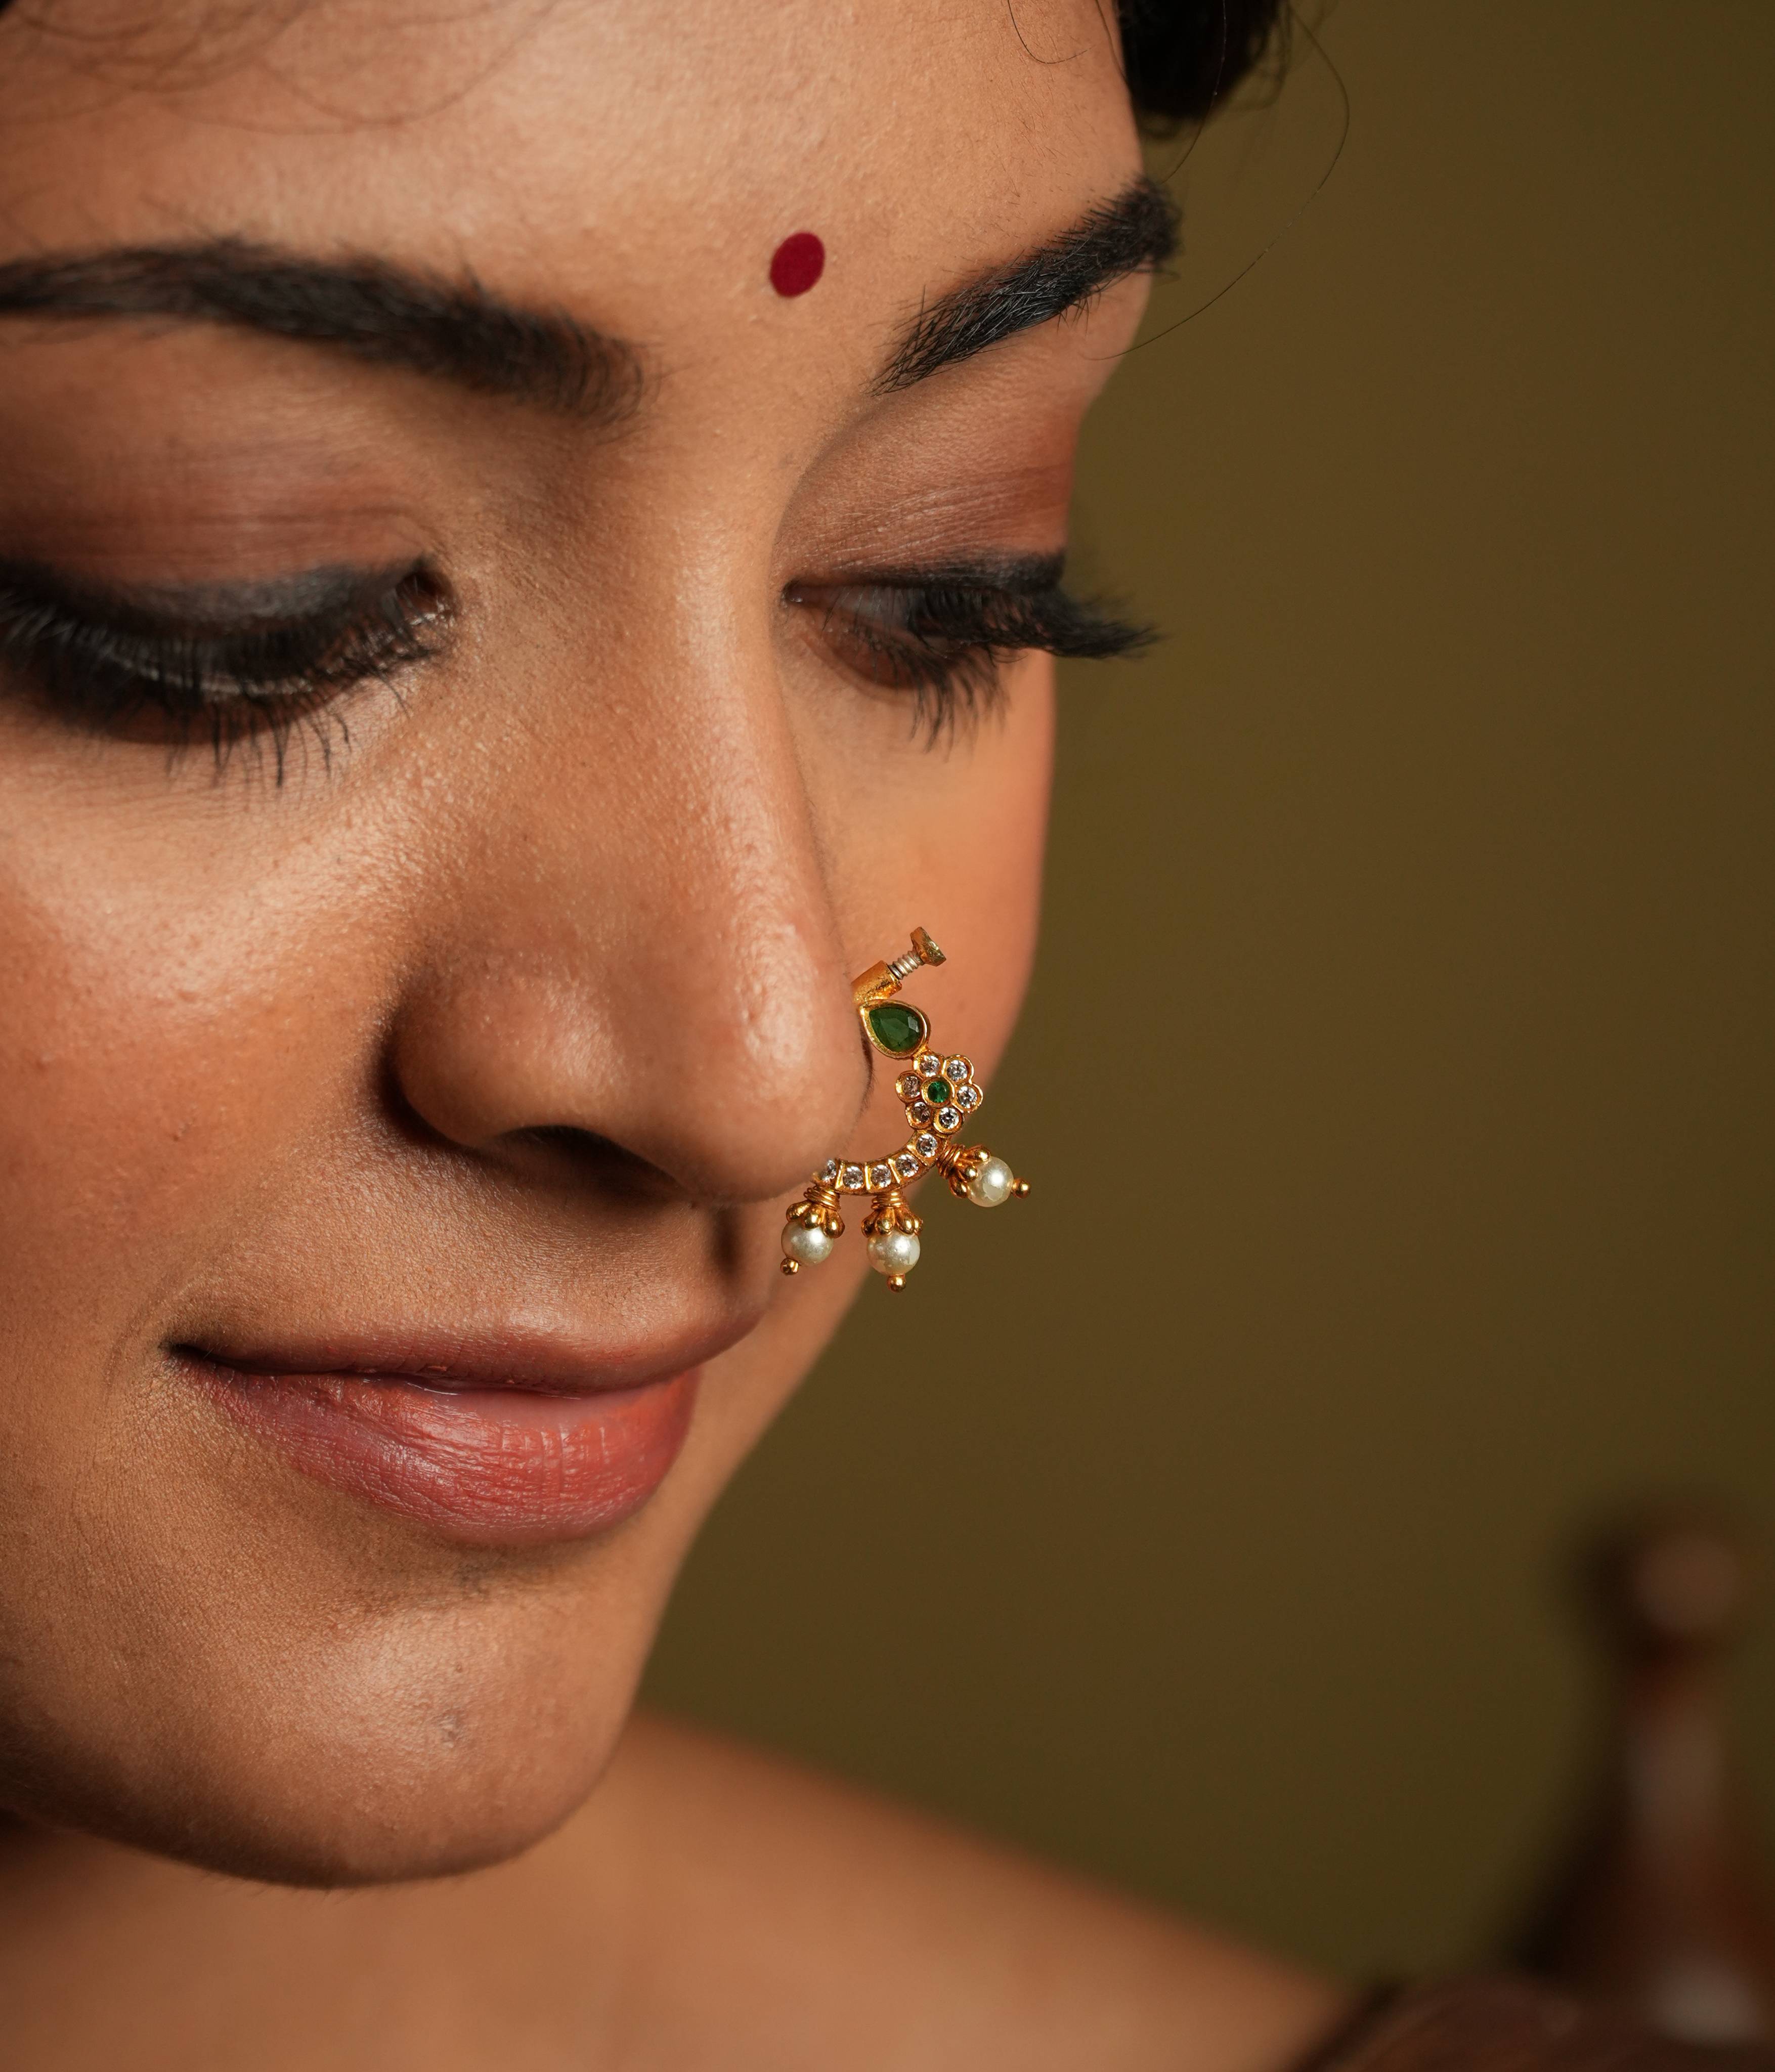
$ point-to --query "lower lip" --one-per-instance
(493, 1467)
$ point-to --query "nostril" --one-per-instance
(585, 1146)
(582, 1155)
(665, 1073)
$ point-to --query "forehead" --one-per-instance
(626, 152)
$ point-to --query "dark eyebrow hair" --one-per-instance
(390, 315)
(1138, 228)
(457, 331)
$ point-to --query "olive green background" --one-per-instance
(1398, 1074)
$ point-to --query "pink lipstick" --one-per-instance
(507, 1446)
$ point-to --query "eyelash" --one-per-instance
(940, 637)
(943, 636)
(114, 665)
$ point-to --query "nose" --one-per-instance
(638, 943)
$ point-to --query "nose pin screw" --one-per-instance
(941, 1094)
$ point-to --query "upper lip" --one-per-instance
(548, 1362)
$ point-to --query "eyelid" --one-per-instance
(256, 663)
(304, 596)
(1015, 575)
(991, 608)
(315, 631)
(939, 639)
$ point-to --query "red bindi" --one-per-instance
(797, 263)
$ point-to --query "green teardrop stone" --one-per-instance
(894, 1028)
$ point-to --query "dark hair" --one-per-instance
(1184, 57)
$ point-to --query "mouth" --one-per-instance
(513, 1444)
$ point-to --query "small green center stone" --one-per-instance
(895, 1028)
(938, 1091)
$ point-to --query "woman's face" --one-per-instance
(471, 696)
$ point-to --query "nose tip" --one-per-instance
(668, 975)
(734, 1067)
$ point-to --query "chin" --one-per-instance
(431, 1836)
(327, 1810)
(265, 1679)
(332, 1743)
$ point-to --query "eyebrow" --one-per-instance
(391, 315)
(1138, 229)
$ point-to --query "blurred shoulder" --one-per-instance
(816, 1925)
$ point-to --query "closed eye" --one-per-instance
(942, 635)
(214, 663)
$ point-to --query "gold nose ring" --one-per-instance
(942, 1093)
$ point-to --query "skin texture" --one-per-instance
(523, 1012)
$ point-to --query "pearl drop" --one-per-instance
(807, 1243)
(893, 1252)
(991, 1184)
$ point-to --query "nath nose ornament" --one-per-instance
(940, 1093)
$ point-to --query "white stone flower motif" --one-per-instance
(940, 1093)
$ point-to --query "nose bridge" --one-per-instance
(646, 948)
(726, 974)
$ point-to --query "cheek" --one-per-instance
(949, 838)
(149, 1024)
(106, 1127)
(985, 870)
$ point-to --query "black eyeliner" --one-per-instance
(199, 644)
(942, 632)
(229, 607)
(220, 662)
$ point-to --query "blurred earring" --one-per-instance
(941, 1092)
